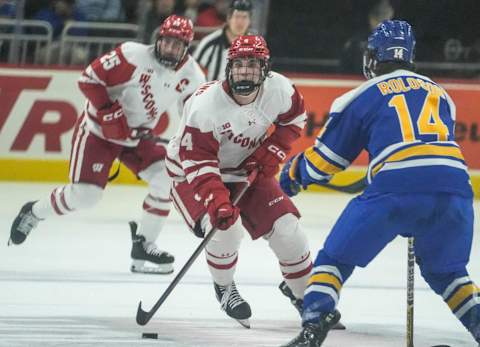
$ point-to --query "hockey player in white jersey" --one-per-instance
(128, 91)
(224, 130)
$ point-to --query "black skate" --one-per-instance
(146, 257)
(313, 334)
(298, 303)
(23, 224)
(233, 304)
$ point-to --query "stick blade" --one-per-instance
(142, 316)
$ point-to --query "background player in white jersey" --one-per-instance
(224, 130)
(127, 90)
(418, 184)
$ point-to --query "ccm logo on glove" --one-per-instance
(113, 122)
(278, 152)
(110, 117)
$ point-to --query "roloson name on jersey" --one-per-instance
(403, 85)
(148, 101)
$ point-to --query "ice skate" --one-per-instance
(23, 224)
(233, 304)
(146, 257)
(313, 334)
(298, 303)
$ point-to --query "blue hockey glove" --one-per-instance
(294, 176)
(288, 176)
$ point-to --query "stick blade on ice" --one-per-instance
(142, 316)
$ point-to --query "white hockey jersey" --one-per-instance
(216, 134)
(131, 75)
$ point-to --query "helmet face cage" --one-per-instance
(391, 41)
(245, 75)
(174, 31)
(369, 64)
(248, 64)
(175, 56)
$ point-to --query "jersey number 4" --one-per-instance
(428, 122)
(187, 141)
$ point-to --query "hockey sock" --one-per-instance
(155, 212)
(290, 245)
(323, 288)
(66, 199)
(296, 274)
(150, 226)
(461, 295)
(222, 252)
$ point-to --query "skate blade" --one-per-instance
(244, 322)
(140, 266)
(339, 326)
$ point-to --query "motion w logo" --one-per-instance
(97, 167)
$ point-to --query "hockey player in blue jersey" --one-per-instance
(418, 184)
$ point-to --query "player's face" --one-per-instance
(246, 69)
(239, 22)
(171, 48)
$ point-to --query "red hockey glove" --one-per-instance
(221, 211)
(266, 159)
(113, 122)
(226, 216)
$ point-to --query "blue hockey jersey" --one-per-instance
(406, 123)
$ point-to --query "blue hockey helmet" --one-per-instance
(391, 41)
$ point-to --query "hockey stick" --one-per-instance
(143, 317)
(352, 188)
(154, 138)
(410, 290)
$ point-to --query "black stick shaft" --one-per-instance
(352, 188)
(143, 317)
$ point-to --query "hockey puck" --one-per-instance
(149, 336)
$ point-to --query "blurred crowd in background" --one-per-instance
(304, 35)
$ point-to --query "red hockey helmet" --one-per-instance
(179, 28)
(250, 47)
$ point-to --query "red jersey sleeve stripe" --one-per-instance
(296, 109)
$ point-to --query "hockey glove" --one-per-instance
(216, 199)
(113, 122)
(295, 176)
(288, 177)
(226, 216)
(266, 159)
(220, 210)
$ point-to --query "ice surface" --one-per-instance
(69, 284)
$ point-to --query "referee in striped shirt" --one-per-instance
(211, 52)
